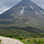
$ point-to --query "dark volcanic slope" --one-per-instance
(25, 13)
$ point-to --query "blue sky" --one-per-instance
(6, 4)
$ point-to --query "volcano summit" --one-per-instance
(24, 14)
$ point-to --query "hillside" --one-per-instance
(24, 22)
(23, 36)
(24, 14)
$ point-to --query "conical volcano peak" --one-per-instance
(25, 0)
(24, 15)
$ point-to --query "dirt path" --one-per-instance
(9, 41)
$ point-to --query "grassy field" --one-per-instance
(0, 41)
(23, 36)
(30, 40)
(33, 41)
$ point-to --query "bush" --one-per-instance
(20, 37)
(9, 35)
(0, 40)
(35, 41)
(39, 41)
(28, 41)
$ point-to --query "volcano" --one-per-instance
(24, 14)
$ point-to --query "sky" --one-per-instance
(6, 4)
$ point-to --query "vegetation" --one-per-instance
(0, 41)
(34, 40)
(24, 36)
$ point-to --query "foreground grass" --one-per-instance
(33, 40)
(25, 42)
(30, 40)
(0, 41)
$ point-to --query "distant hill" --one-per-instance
(24, 14)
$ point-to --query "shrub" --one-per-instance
(20, 37)
(0, 40)
(9, 35)
(39, 41)
(28, 41)
(35, 41)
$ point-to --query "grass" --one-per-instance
(30, 40)
(33, 40)
(23, 36)
(25, 42)
(41, 43)
(0, 41)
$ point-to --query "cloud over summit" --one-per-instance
(6, 4)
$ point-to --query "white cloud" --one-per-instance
(5, 4)
(39, 3)
(3, 9)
